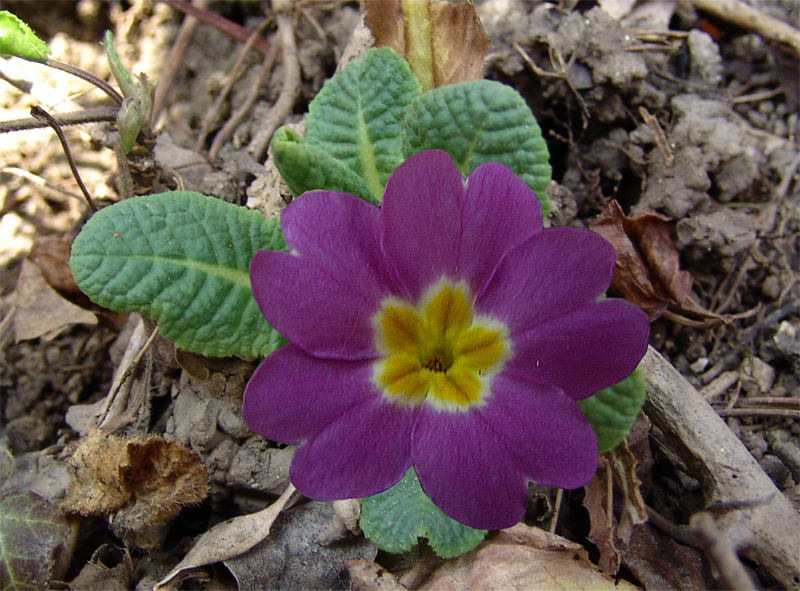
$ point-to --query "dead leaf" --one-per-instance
(662, 564)
(523, 557)
(41, 312)
(366, 575)
(457, 41)
(139, 483)
(647, 270)
(228, 540)
(109, 569)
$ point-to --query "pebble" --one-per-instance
(771, 287)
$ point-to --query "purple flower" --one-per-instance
(446, 330)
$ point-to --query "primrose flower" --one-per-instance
(445, 330)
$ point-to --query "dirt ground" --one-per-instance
(657, 105)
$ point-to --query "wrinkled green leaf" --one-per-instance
(613, 410)
(477, 122)
(182, 259)
(36, 541)
(17, 39)
(305, 168)
(357, 116)
(395, 519)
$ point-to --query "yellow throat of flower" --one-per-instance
(438, 351)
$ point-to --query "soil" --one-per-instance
(660, 107)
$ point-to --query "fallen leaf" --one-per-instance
(139, 483)
(647, 269)
(41, 312)
(456, 41)
(523, 557)
(109, 569)
(227, 540)
(366, 575)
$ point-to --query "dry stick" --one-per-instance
(63, 119)
(234, 75)
(42, 115)
(290, 89)
(758, 519)
(720, 552)
(176, 55)
(778, 413)
(224, 134)
(750, 19)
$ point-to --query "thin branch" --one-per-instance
(43, 115)
(89, 77)
(63, 119)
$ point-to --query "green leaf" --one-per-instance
(305, 168)
(36, 542)
(17, 39)
(182, 259)
(613, 410)
(477, 122)
(357, 115)
(395, 519)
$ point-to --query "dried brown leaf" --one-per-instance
(647, 270)
(139, 483)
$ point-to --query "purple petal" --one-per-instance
(553, 442)
(500, 212)
(293, 396)
(322, 296)
(365, 451)
(554, 273)
(467, 470)
(585, 351)
(421, 216)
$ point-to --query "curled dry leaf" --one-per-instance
(647, 270)
(139, 483)
(523, 557)
(457, 41)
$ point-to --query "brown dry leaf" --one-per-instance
(366, 575)
(41, 312)
(523, 557)
(227, 540)
(139, 483)
(647, 270)
(457, 41)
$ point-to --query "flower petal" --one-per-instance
(500, 212)
(293, 396)
(322, 296)
(365, 451)
(421, 220)
(553, 442)
(467, 470)
(555, 272)
(585, 351)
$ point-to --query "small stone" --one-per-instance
(786, 339)
(700, 365)
(771, 287)
(763, 373)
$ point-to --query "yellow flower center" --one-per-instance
(438, 351)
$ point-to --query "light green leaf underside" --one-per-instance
(182, 259)
(17, 39)
(306, 168)
(613, 410)
(477, 122)
(395, 519)
(357, 115)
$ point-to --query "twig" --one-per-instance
(37, 180)
(776, 413)
(234, 75)
(658, 135)
(231, 29)
(88, 76)
(225, 133)
(42, 115)
(783, 188)
(63, 119)
(720, 552)
(681, 533)
(750, 19)
(291, 81)
(556, 510)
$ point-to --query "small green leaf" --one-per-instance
(613, 410)
(305, 168)
(395, 519)
(477, 122)
(357, 115)
(36, 542)
(120, 73)
(182, 259)
(17, 39)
